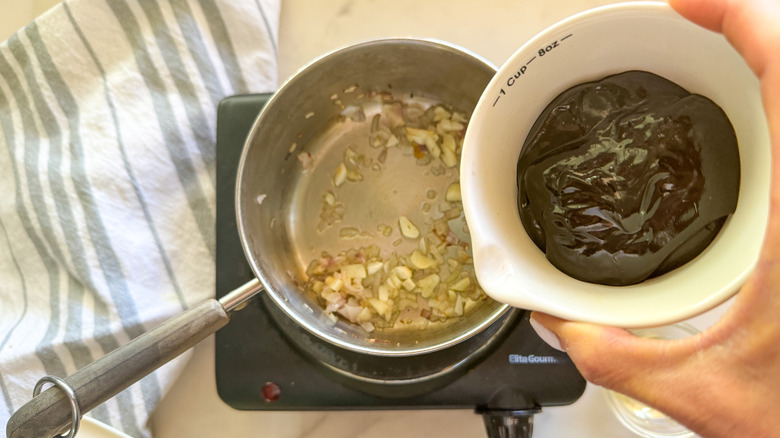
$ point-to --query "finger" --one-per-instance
(595, 350)
(643, 369)
(750, 25)
(615, 358)
(705, 13)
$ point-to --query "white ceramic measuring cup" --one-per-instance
(646, 36)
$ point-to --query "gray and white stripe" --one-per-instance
(107, 163)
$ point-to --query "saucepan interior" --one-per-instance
(289, 161)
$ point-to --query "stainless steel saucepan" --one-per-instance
(278, 208)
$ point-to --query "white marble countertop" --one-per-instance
(493, 29)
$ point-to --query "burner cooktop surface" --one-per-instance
(264, 361)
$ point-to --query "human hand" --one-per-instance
(724, 382)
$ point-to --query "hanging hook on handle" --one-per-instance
(75, 410)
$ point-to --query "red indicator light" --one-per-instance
(271, 392)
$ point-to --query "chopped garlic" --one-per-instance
(433, 147)
(356, 270)
(457, 117)
(403, 272)
(453, 193)
(448, 125)
(421, 261)
(392, 141)
(329, 198)
(449, 158)
(448, 142)
(334, 283)
(380, 306)
(349, 232)
(420, 136)
(383, 293)
(393, 282)
(459, 305)
(460, 285)
(408, 228)
(341, 175)
(354, 175)
(374, 267)
(428, 284)
(440, 113)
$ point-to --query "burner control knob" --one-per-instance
(509, 423)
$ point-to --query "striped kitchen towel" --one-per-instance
(107, 175)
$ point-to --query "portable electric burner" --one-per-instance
(266, 361)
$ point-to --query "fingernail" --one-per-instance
(546, 335)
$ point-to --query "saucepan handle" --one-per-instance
(51, 412)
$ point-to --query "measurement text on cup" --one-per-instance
(512, 80)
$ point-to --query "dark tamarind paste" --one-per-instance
(627, 178)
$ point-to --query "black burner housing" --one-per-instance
(265, 361)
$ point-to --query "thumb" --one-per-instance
(615, 358)
(592, 348)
